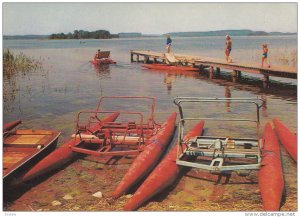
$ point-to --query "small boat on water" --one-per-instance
(155, 66)
(22, 149)
(287, 138)
(172, 64)
(109, 137)
(218, 155)
(103, 58)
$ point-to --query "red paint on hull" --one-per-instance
(60, 156)
(148, 159)
(162, 176)
(103, 61)
(168, 67)
(270, 177)
(287, 138)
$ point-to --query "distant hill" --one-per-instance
(129, 34)
(15, 37)
(243, 32)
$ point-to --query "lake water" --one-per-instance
(50, 99)
(69, 83)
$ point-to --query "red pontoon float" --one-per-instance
(287, 138)
(163, 176)
(270, 177)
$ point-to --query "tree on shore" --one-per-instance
(81, 34)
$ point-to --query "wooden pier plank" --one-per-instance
(250, 67)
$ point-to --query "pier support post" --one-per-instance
(218, 71)
(201, 68)
(234, 75)
(137, 58)
(131, 56)
(211, 72)
(239, 74)
(155, 60)
(266, 80)
(146, 59)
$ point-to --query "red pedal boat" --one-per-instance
(108, 137)
(103, 61)
(23, 149)
(169, 67)
(103, 57)
(287, 138)
(218, 155)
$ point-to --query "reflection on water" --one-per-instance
(227, 95)
(169, 79)
(103, 71)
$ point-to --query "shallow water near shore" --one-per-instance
(50, 99)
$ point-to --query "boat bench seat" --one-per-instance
(26, 140)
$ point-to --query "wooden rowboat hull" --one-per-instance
(270, 176)
(169, 67)
(148, 159)
(22, 149)
(287, 138)
(164, 175)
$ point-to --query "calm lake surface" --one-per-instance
(50, 99)
(69, 83)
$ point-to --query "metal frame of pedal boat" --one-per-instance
(218, 150)
(115, 138)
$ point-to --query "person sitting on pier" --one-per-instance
(265, 56)
(228, 49)
(169, 43)
(98, 54)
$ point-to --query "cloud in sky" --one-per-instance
(148, 18)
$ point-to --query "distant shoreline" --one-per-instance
(142, 37)
(125, 35)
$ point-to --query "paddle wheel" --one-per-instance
(118, 138)
(218, 154)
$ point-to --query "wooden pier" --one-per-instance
(215, 65)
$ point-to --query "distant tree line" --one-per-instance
(81, 34)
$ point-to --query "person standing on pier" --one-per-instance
(265, 56)
(228, 49)
(169, 43)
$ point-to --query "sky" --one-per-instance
(147, 18)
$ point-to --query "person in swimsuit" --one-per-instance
(228, 49)
(169, 43)
(264, 57)
(98, 54)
